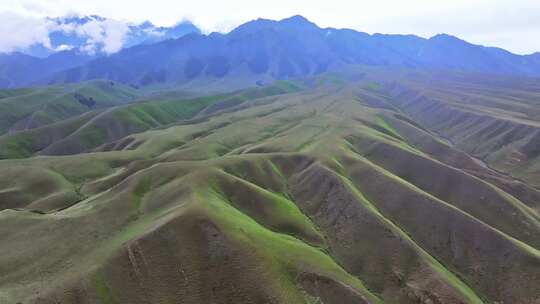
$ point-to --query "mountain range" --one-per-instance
(260, 51)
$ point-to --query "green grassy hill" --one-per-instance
(24, 109)
(105, 129)
(333, 191)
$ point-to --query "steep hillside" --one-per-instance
(496, 119)
(326, 194)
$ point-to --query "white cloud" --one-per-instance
(154, 32)
(63, 47)
(89, 48)
(19, 32)
(114, 35)
(105, 35)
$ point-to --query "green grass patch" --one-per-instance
(103, 291)
(17, 146)
(373, 86)
(282, 249)
(92, 136)
(141, 189)
(384, 124)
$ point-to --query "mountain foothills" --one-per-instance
(278, 163)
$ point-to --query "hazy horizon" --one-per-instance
(490, 23)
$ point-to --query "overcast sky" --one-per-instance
(510, 24)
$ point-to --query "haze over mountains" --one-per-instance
(95, 34)
(255, 52)
(73, 41)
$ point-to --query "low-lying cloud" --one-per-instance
(20, 32)
(106, 35)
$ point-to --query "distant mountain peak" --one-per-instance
(445, 37)
(298, 20)
(77, 19)
(265, 49)
(253, 25)
(146, 24)
(185, 25)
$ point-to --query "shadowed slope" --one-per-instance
(493, 118)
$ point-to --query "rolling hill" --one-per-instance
(354, 187)
(30, 108)
(106, 127)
